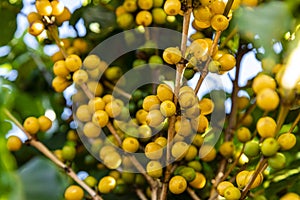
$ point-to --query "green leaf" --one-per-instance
(8, 20)
(6, 94)
(42, 180)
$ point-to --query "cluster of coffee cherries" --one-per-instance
(31, 125)
(48, 13)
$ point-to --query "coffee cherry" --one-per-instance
(200, 124)
(59, 83)
(130, 144)
(267, 99)
(74, 192)
(100, 118)
(195, 164)
(83, 114)
(172, 55)
(179, 150)
(192, 112)
(154, 169)
(57, 7)
(13, 143)
(206, 106)
(43, 7)
(222, 186)
(72, 136)
(207, 153)
(241, 178)
(33, 16)
(286, 141)
(141, 116)
(258, 180)
(164, 92)
(112, 160)
(105, 150)
(217, 7)
(36, 27)
(125, 20)
(251, 148)
(243, 134)
(198, 48)
(187, 99)
(91, 181)
(60, 69)
(202, 13)
(177, 185)
(130, 5)
(200, 25)
(167, 108)
(269, 147)
(91, 130)
(266, 127)
(153, 151)
(198, 140)
(159, 17)
(199, 181)
(68, 153)
(95, 87)
(263, 81)
(151, 102)
(232, 193)
(95, 104)
(183, 126)
(113, 109)
(219, 22)
(162, 141)
(290, 196)
(143, 18)
(31, 125)
(251, 3)
(191, 154)
(205, 2)
(145, 4)
(227, 62)
(80, 76)
(277, 161)
(172, 7)
(45, 123)
(73, 62)
(64, 16)
(227, 149)
(242, 102)
(154, 118)
(107, 184)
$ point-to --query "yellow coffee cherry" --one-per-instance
(217, 7)
(179, 150)
(290, 196)
(73, 62)
(206, 106)
(112, 160)
(207, 153)
(250, 3)
(187, 99)
(113, 109)
(100, 118)
(95, 104)
(172, 55)
(242, 102)
(31, 125)
(143, 18)
(64, 16)
(107, 98)
(202, 13)
(91, 130)
(183, 127)
(199, 181)
(159, 16)
(59, 83)
(219, 22)
(130, 144)
(13, 143)
(191, 154)
(192, 112)
(43, 7)
(241, 179)
(287, 141)
(57, 56)
(243, 134)
(45, 123)
(172, 7)
(263, 81)
(222, 186)
(266, 127)
(151, 102)
(247, 120)
(130, 5)
(83, 113)
(81, 45)
(60, 69)
(141, 116)
(74, 192)
(33, 16)
(198, 140)
(227, 149)
(154, 169)
(164, 92)
(200, 124)
(167, 108)
(227, 62)
(36, 27)
(267, 99)
(154, 118)
(72, 135)
(105, 150)
(91, 61)
(107, 184)
(258, 180)
(199, 25)
(232, 193)
(153, 151)
(162, 141)
(177, 184)
(198, 48)
(145, 4)
(57, 7)
(80, 76)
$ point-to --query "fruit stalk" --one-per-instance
(116, 89)
(57, 40)
(283, 111)
(44, 150)
(140, 194)
(192, 194)
(295, 123)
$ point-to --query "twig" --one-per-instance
(86, 90)
(283, 111)
(140, 194)
(57, 40)
(192, 194)
(114, 133)
(231, 35)
(295, 123)
(44, 150)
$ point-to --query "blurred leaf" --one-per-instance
(42, 180)
(6, 94)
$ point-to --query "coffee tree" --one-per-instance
(136, 106)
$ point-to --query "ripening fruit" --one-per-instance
(141, 116)
(197, 140)
(258, 180)
(200, 123)
(36, 27)
(31, 125)
(199, 181)
(269, 147)
(206, 106)
(183, 127)
(187, 99)
(130, 144)
(45, 123)
(91, 130)
(263, 81)
(95, 87)
(64, 16)
(145, 4)
(80, 76)
(113, 73)
(112, 160)
(192, 112)
(172, 7)
(251, 148)
(177, 185)
(33, 16)
(195, 164)
(179, 150)
(164, 92)
(159, 16)
(287, 141)
(219, 22)
(125, 20)
(267, 99)
(243, 134)
(43, 7)
(202, 13)
(113, 109)
(130, 5)
(277, 161)
(232, 193)
(266, 127)
(172, 55)
(241, 178)
(60, 69)
(68, 152)
(95, 104)
(59, 83)
(191, 154)
(251, 3)
(198, 48)
(107, 184)
(207, 153)
(154, 169)
(290, 196)
(143, 18)
(13, 143)
(154, 118)
(153, 151)
(83, 113)
(227, 149)
(73, 62)
(57, 7)
(227, 62)
(81, 45)
(167, 108)
(162, 141)
(217, 7)
(74, 192)
(151, 102)
(91, 181)
(222, 186)
(91, 61)
(242, 102)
